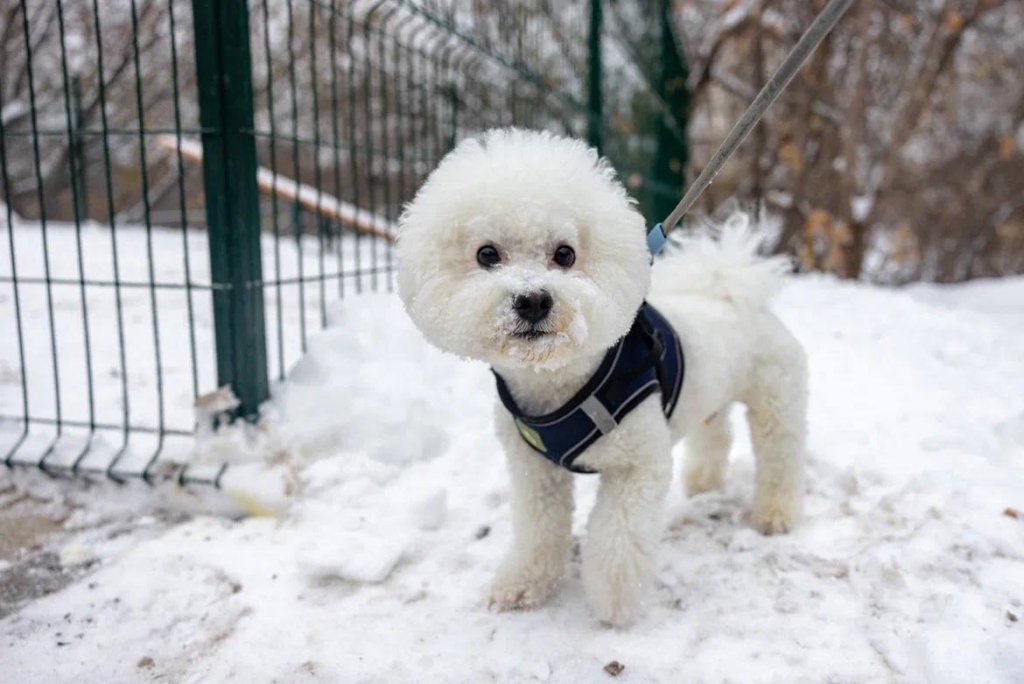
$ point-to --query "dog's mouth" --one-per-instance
(530, 334)
(536, 344)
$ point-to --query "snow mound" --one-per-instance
(370, 382)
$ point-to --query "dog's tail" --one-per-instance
(722, 262)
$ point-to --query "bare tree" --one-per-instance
(51, 56)
(896, 153)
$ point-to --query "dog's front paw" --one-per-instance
(520, 590)
(614, 600)
(617, 585)
(775, 515)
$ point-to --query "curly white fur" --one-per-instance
(527, 193)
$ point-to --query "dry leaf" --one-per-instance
(834, 262)
(953, 22)
(614, 668)
(806, 256)
(790, 156)
(904, 246)
(1010, 231)
(817, 224)
(841, 233)
(1006, 147)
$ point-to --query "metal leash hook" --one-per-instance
(819, 28)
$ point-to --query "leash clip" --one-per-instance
(656, 240)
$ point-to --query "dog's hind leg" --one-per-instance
(541, 527)
(707, 454)
(777, 408)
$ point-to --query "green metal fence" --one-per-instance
(187, 186)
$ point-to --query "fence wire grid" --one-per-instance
(187, 186)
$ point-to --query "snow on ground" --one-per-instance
(908, 567)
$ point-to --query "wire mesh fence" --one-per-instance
(187, 186)
(95, 286)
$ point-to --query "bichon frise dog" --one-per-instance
(523, 250)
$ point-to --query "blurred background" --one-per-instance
(894, 156)
(896, 153)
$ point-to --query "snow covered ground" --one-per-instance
(908, 567)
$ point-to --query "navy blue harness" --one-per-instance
(648, 359)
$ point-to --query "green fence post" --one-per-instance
(672, 152)
(595, 103)
(224, 78)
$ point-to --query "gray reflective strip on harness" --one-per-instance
(618, 352)
(613, 421)
(595, 410)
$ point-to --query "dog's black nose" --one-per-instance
(533, 307)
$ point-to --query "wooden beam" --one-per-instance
(308, 197)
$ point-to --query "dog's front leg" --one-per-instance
(541, 526)
(625, 526)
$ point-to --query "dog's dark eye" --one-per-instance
(487, 256)
(564, 256)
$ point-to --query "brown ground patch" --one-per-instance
(27, 527)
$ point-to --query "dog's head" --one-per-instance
(522, 249)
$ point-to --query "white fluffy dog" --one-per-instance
(523, 250)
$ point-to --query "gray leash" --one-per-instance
(814, 34)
